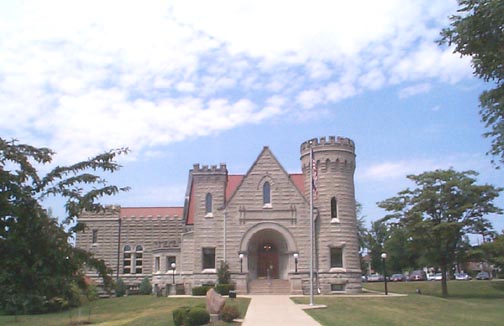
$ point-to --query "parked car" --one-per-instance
(482, 276)
(437, 277)
(375, 278)
(398, 278)
(418, 275)
(462, 277)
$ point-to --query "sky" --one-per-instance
(210, 82)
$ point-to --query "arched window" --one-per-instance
(138, 259)
(127, 260)
(208, 203)
(266, 193)
(334, 208)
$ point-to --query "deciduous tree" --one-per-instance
(477, 30)
(39, 264)
(443, 207)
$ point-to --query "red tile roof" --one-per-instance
(298, 180)
(232, 183)
(151, 211)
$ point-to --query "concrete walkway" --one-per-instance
(276, 310)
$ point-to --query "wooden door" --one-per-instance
(267, 261)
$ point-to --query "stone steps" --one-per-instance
(263, 286)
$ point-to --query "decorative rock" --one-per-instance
(214, 302)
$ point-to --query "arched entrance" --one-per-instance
(268, 248)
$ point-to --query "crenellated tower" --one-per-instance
(207, 193)
(337, 245)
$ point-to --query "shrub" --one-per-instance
(229, 313)
(179, 315)
(74, 296)
(201, 290)
(145, 286)
(120, 288)
(197, 316)
(223, 274)
(223, 289)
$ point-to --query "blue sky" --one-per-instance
(183, 82)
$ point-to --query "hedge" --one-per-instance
(223, 289)
(201, 290)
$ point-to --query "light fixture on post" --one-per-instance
(384, 257)
(173, 266)
(241, 262)
(296, 256)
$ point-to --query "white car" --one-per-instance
(462, 277)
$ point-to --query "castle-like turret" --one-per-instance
(334, 202)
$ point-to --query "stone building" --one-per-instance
(258, 223)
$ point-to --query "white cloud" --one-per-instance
(392, 171)
(414, 90)
(310, 98)
(90, 75)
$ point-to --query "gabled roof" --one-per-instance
(151, 212)
(296, 179)
(234, 182)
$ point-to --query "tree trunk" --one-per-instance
(444, 282)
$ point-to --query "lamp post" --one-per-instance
(384, 257)
(241, 262)
(173, 266)
(296, 256)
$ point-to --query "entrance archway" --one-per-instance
(268, 247)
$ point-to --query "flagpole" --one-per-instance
(311, 224)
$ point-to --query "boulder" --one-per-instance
(214, 302)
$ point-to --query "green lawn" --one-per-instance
(138, 310)
(471, 303)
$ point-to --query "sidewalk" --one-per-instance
(276, 310)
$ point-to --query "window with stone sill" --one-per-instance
(157, 263)
(208, 205)
(95, 237)
(337, 287)
(169, 261)
(336, 257)
(208, 258)
(127, 260)
(138, 259)
(266, 195)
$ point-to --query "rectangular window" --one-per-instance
(127, 263)
(208, 258)
(337, 287)
(138, 263)
(170, 260)
(157, 261)
(336, 257)
(95, 236)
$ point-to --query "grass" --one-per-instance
(471, 303)
(138, 310)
